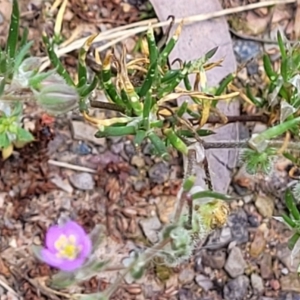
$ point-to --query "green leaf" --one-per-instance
(290, 203)
(24, 135)
(293, 240)
(21, 54)
(176, 142)
(139, 137)
(189, 183)
(159, 145)
(208, 55)
(224, 83)
(62, 280)
(55, 61)
(288, 221)
(13, 33)
(211, 194)
(281, 46)
(150, 77)
(109, 131)
(269, 68)
(4, 140)
(260, 142)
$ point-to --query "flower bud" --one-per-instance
(56, 96)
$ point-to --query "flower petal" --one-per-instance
(72, 228)
(52, 235)
(71, 265)
(51, 259)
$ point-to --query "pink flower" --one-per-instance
(67, 246)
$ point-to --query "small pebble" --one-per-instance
(204, 282)
(236, 289)
(82, 181)
(235, 264)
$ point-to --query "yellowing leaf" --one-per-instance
(7, 152)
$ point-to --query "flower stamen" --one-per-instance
(66, 247)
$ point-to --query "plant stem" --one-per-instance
(241, 118)
(244, 144)
(106, 105)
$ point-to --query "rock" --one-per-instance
(238, 224)
(265, 206)
(285, 256)
(290, 283)
(258, 244)
(235, 264)
(219, 239)
(204, 282)
(159, 173)
(82, 149)
(186, 276)
(138, 161)
(236, 289)
(62, 184)
(245, 50)
(275, 284)
(257, 283)
(214, 259)
(165, 207)
(129, 149)
(82, 181)
(289, 296)
(266, 266)
(150, 228)
(185, 294)
(117, 147)
(84, 132)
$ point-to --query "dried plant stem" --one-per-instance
(116, 35)
(294, 146)
(106, 105)
(146, 258)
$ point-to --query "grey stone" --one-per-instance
(204, 282)
(186, 276)
(150, 228)
(238, 223)
(159, 173)
(84, 132)
(236, 289)
(257, 282)
(235, 264)
(82, 181)
(214, 259)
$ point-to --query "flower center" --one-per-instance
(66, 247)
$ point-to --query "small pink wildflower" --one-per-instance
(67, 246)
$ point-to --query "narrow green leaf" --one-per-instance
(153, 51)
(189, 183)
(281, 45)
(211, 194)
(21, 55)
(210, 54)
(169, 76)
(269, 68)
(86, 89)
(256, 101)
(159, 145)
(290, 203)
(187, 83)
(139, 137)
(289, 221)
(2, 86)
(189, 134)
(182, 109)
(13, 33)
(293, 240)
(56, 62)
(24, 37)
(151, 74)
(176, 142)
(109, 131)
(224, 83)
(260, 142)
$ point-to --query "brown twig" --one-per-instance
(106, 105)
(241, 118)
